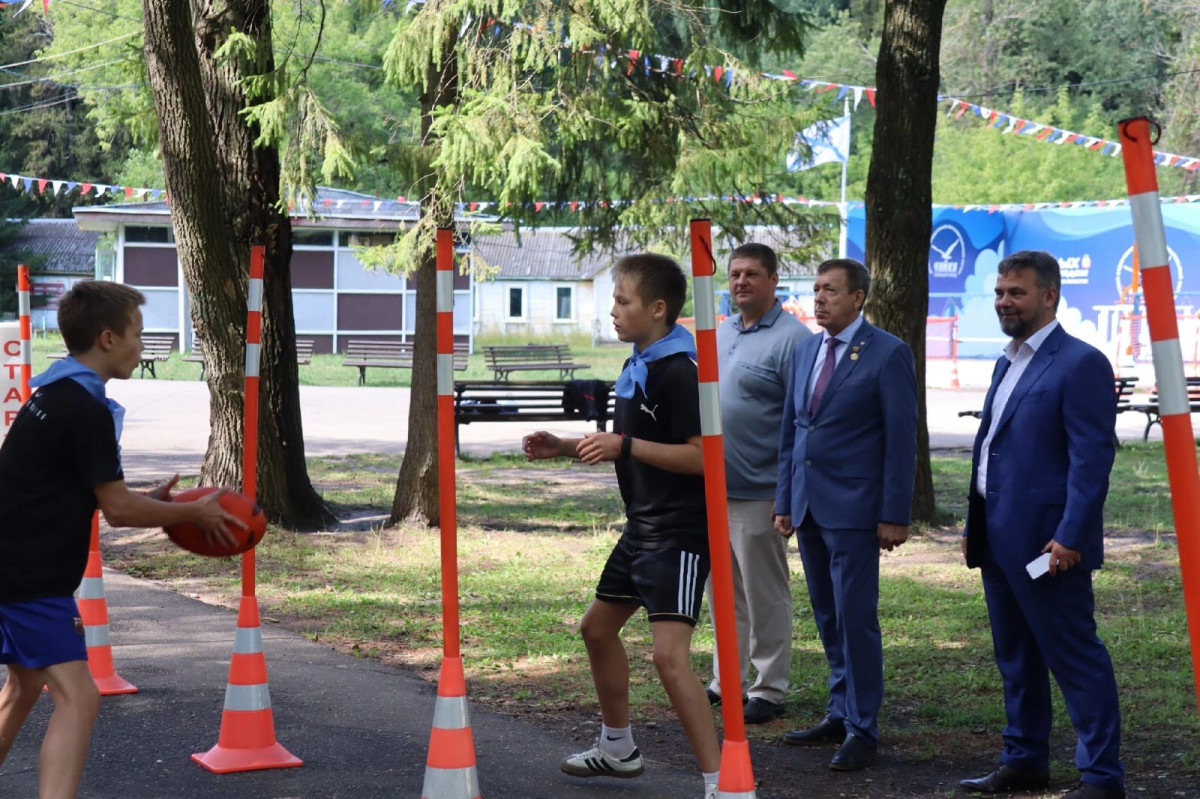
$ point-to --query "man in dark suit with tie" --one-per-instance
(847, 460)
(1040, 473)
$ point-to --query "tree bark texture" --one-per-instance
(417, 487)
(899, 195)
(224, 197)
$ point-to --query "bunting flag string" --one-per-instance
(1016, 126)
(53, 188)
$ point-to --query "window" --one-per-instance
(516, 302)
(563, 300)
(149, 235)
(312, 237)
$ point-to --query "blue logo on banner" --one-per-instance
(947, 252)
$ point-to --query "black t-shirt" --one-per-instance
(664, 509)
(61, 444)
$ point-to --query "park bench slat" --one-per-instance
(504, 359)
(516, 401)
(361, 353)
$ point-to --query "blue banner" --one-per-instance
(1094, 248)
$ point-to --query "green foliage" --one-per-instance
(529, 120)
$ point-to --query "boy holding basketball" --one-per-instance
(661, 560)
(59, 462)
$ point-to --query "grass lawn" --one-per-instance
(532, 540)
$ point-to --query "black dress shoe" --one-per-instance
(1008, 778)
(714, 698)
(760, 711)
(853, 755)
(1085, 790)
(828, 731)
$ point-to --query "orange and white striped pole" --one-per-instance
(737, 775)
(26, 330)
(1178, 441)
(246, 741)
(450, 771)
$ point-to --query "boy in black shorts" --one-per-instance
(60, 460)
(661, 560)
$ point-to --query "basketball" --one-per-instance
(187, 536)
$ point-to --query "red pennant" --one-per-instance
(401, 199)
(633, 56)
(1045, 134)
(574, 207)
(790, 75)
(538, 206)
(679, 67)
(830, 86)
(717, 73)
(473, 206)
(84, 188)
(42, 185)
(128, 192)
(871, 97)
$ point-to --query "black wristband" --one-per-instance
(626, 446)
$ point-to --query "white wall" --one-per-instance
(539, 308)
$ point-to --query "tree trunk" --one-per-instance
(417, 487)
(224, 197)
(899, 195)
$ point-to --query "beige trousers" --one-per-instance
(762, 600)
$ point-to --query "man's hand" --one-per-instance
(540, 446)
(215, 522)
(598, 447)
(891, 535)
(163, 492)
(1061, 558)
(783, 525)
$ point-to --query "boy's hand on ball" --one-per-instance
(163, 492)
(215, 522)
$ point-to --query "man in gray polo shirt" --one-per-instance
(754, 350)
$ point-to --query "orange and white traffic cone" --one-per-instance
(737, 775)
(450, 766)
(93, 611)
(247, 738)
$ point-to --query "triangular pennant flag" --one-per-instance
(858, 95)
(871, 97)
(28, 183)
(71, 186)
(377, 204)
(57, 184)
(128, 192)
(42, 185)
(537, 206)
(574, 207)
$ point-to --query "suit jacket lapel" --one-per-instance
(1040, 362)
(803, 376)
(862, 340)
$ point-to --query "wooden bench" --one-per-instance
(503, 360)
(1123, 386)
(1151, 408)
(155, 348)
(362, 353)
(304, 353)
(516, 401)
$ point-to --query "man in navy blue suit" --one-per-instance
(847, 460)
(1040, 476)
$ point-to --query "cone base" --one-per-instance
(113, 685)
(223, 760)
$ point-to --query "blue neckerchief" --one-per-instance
(84, 376)
(633, 376)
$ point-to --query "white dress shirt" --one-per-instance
(1018, 361)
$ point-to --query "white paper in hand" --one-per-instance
(1039, 565)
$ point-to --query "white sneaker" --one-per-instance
(710, 792)
(596, 763)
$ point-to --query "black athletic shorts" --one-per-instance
(669, 583)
